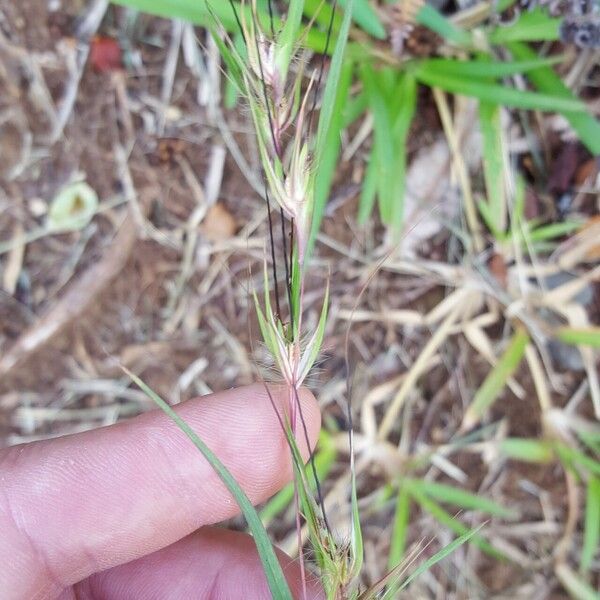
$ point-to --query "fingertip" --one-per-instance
(104, 497)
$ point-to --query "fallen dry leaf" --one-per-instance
(592, 253)
(586, 171)
(218, 224)
(105, 54)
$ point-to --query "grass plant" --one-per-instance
(299, 115)
(261, 71)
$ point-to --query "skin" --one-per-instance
(124, 512)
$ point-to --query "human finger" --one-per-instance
(76, 505)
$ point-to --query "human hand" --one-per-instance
(111, 513)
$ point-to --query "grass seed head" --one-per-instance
(261, 56)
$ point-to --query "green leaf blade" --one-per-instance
(534, 25)
(462, 498)
(500, 94)
(329, 95)
(400, 528)
(366, 18)
(326, 167)
(589, 336)
(452, 522)
(493, 165)
(527, 450)
(546, 80)
(288, 38)
(431, 18)
(487, 69)
(438, 556)
(591, 529)
(496, 380)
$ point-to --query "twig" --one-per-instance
(461, 168)
(170, 67)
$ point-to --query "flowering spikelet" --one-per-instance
(278, 106)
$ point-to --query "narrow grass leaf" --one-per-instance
(461, 498)
(383, 142)
(363, 15)
(406, 93)
(273, 571)
(441, 555)
(230, 94)
(492, 92)
(496, 380)
(431, 18)
(536, 25)
(547, 81)
(265, 329)
(288, 38)
(591, 439)
(485, 211)
(591, 528)
(203, 12)
(452, 523)
(333, 78)
(552, 231)
(485, 69)
(366, 18)
(354, 108)
(493, 166)
(572, 457)
(578, 589)
(195, 11)
(320, 13)
(231, 59)
(400, 527)
(368, 192)
(356, 539)
(589, 336)
(527, 450)
(326, 167)
(234, 88)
